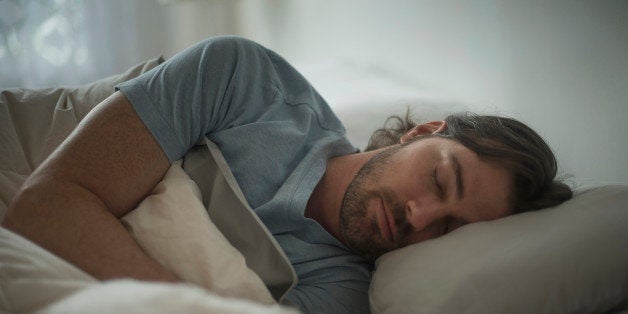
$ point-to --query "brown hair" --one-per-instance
(507, 141)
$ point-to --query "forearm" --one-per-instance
(74, 223)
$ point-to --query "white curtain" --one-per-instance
(69, 42)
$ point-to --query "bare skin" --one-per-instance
(71, 204)
(406, 194)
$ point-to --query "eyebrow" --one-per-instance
(458, 172)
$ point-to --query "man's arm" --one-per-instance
(71, 204)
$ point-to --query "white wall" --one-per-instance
(560, 66)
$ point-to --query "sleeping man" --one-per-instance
(332, 209)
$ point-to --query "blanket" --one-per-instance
(218, 280)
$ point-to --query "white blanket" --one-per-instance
(32, 279)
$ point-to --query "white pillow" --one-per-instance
(569, 259)
(173, 227)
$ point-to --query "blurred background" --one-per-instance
(560, 66)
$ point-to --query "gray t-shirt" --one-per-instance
(276, 133)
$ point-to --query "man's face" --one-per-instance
(408, 194)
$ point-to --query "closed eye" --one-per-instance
(439, 187)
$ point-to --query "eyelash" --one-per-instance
(438, 186)
(441, 194)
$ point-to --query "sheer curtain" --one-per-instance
(69, 42)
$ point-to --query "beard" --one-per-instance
(362, 234)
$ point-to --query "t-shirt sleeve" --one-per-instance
(214, 85)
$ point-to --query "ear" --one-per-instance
(423, 129)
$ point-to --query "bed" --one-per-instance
(569, 259)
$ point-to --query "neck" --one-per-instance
(326, 199)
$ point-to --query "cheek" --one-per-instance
(432, 231)
(408, 182)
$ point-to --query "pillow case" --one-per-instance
(230, 213)
(572, 258)
(173, 227)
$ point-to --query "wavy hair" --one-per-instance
(507, 141)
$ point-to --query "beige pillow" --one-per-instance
(569, 259)
(173, 227)
(228, 209)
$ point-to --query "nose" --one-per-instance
(421, 214)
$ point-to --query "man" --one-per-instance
(332, 209)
